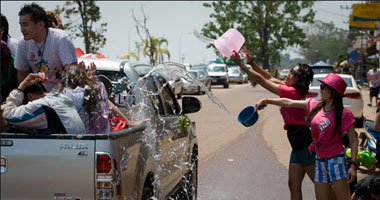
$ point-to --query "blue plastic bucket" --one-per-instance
(248, 116)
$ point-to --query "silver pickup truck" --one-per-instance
(156, 160)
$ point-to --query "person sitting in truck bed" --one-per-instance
(45, 112)
(89, 96)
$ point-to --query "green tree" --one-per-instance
(326, 42)
(89, 13)
(154, 48)
(268, 26)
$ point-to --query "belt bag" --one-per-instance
(299, 136)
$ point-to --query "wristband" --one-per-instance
(266, 100)
(20, 90)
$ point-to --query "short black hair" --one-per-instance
(374, 186)
(304, 77)
(36, 88)
(5, 25)
(37, 13)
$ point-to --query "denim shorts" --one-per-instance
(302, 157)
(330, 169)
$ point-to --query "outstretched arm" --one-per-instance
(283, 102)
(266, 83)
(259, 69)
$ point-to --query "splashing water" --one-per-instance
(175, 71)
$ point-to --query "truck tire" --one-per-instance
(192, 186)
(148, 190)
(189, 189)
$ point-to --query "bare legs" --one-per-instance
(296, 175)
(340, 188)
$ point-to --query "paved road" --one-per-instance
(236, 162)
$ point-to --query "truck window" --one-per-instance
(170, 103)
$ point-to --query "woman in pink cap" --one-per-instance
(329, 120)
(295, 86)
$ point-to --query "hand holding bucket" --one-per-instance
(249, 116)
(230, 42)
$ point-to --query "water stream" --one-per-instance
(135, 100)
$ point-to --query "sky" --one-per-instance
(173, 20)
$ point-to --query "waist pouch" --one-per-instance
(299, 136)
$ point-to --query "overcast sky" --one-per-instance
(173, 20)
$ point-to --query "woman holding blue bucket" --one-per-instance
(328, 119)
(295, 86)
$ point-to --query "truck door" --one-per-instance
(179, 143)
(46, 167)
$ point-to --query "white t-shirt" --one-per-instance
(58, 51)
(373, 78)
(12, 44)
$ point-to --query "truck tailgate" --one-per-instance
(53, 168)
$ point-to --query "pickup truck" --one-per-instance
(155, 160)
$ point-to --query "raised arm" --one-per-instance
(259, 69)
(266, 83)
(283, 102)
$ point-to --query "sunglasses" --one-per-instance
(322, 86)
(293, 72)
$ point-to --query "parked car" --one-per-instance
(322, 68)
(353, 99)
(219, 74)
(284, 73)
(236, 76)
(155, 160)
(193, 88)
(245, 75)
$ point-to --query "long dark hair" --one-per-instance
(5, 25)
(72, 76)
(304, 77)
(338, 109)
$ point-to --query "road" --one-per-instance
(237, 162)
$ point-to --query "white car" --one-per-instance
(284, 73)
(219, 74)
(353, 99)
(236, 76)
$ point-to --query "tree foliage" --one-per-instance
(268, 26)
(326, 42)
(84, 26)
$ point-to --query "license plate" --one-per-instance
(214, 81)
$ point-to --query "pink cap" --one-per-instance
(335, 82)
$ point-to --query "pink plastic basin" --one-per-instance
(231, 40)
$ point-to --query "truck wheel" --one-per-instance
(192, 178)
(148, 190)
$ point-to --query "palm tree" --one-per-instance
(153, 47)
(129, 55)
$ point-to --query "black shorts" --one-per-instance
(374, 92)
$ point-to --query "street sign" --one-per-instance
(366, 12)
(353, 55)
(363, 25)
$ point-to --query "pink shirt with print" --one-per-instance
(326, 143)
(292, 115)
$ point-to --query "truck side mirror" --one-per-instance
(190, 105)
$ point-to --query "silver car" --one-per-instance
(353, 99)
(194, 88)
(236, 76)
